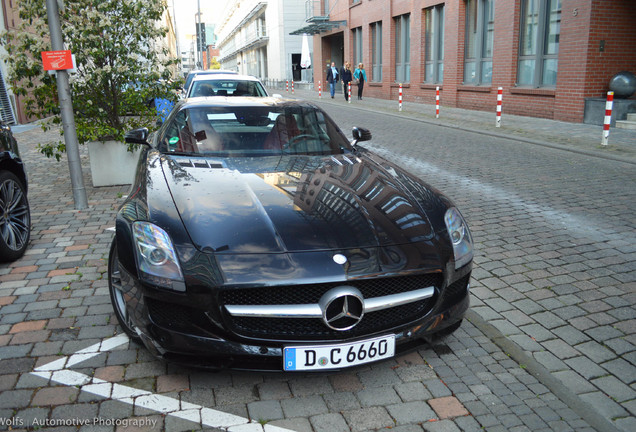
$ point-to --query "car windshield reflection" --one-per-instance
(226, 87)
(252, 131)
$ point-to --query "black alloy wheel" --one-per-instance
(15, 217)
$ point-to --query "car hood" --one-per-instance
(296, 204)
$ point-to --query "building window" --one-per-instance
(434, 44)
(376, 51)
(402, 48)
(539, 50)
(480, 26)
(261, 27)
(357, 45)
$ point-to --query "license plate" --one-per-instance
(336, 356)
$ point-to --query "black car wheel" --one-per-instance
(116, 289)
(15, 218)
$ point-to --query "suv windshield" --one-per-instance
(226, 87)
(252, 131)
(208, 72)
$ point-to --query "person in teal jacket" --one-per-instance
(360, 75)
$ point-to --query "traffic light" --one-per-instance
(201, 42)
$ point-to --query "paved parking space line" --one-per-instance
(58, 371)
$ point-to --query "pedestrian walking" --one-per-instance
(360, 76)
(347, 77)
(332, 78)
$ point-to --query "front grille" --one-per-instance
(311, 293)
(312, 328)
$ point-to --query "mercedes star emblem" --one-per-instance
(339, 259)
(342, 308)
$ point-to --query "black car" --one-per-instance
(257, 236)
(15, 217)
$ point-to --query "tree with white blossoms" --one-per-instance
(119, 68)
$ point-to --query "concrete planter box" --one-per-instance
(111, 163)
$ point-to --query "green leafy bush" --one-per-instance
(121, 66)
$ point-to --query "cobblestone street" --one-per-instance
(548, 345)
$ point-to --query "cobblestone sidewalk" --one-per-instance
(54, 302)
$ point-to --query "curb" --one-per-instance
(536, 369)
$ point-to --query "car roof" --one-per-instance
(213, 72)
(227, 77)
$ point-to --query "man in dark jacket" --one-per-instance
(332, 78)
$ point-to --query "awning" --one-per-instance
(318, 24)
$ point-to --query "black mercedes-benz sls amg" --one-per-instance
(257, 236)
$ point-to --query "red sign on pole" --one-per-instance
(57, 60)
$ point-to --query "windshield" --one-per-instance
(194, 74)
(252, 131)
(219, 87)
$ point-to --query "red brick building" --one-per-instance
(548, 55)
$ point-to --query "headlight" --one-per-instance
(460, 237)
(156, 257)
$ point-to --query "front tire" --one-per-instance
(15, 217)
(117, 294)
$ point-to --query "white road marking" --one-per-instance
(58, 371)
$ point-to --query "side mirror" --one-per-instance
(360, 134)
(137, 136)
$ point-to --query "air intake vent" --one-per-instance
(201, 163)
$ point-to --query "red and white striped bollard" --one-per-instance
(319, 91)
(292, 87)
(400, 98)
(608, 117)
(349, 93)
(499, 99)
(437, 102)
(287, 86)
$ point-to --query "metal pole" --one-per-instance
(608, 117)
(199, 41)
(66, 108)
(176, 35)
(437, 102)
(499, 101)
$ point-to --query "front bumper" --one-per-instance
(172, 332)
